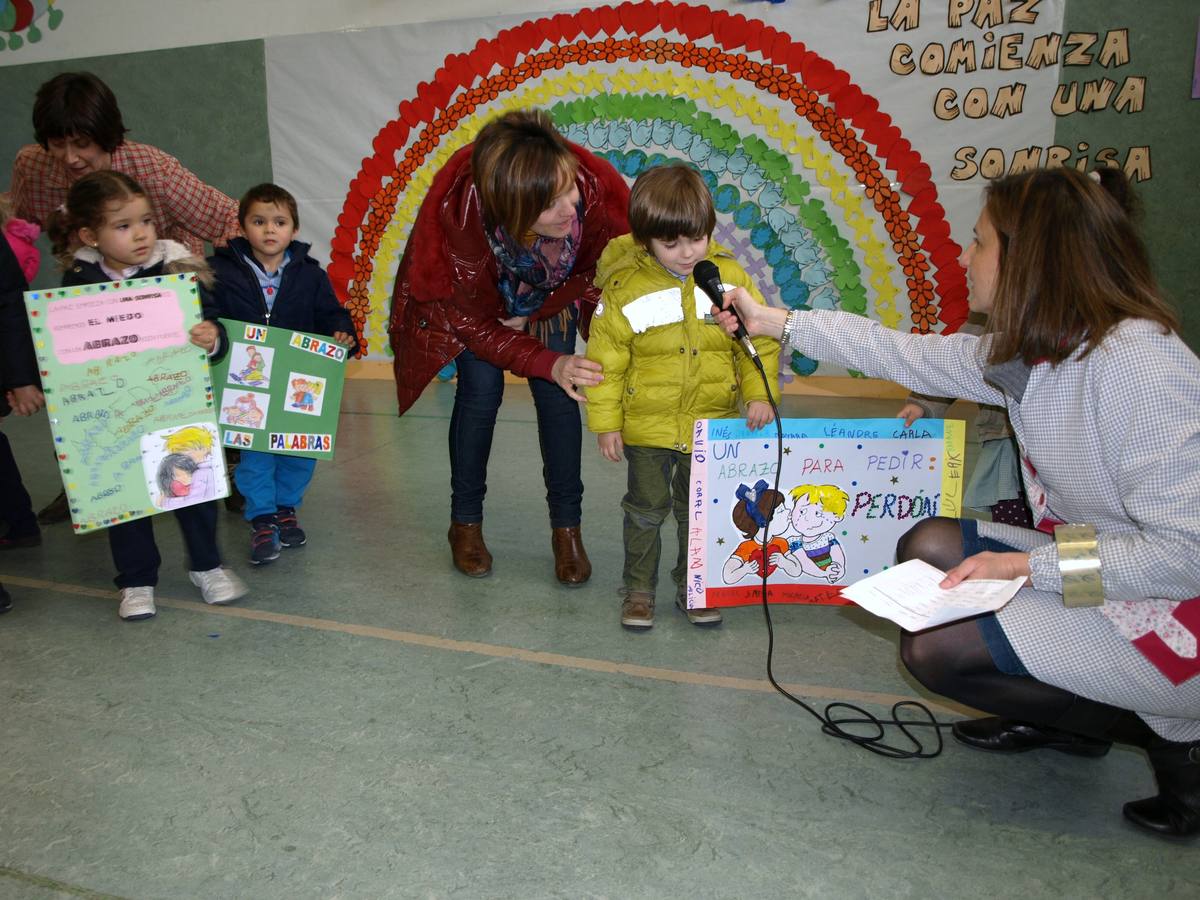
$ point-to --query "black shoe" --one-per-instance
(1175, 811)
(1009, 736)
(5, 600)
(57, 510)
(264, 540)
(290, 532)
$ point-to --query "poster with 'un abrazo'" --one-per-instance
(847, 490)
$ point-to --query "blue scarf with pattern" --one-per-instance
(529, 274)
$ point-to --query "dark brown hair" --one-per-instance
(520, 163)
(1071, 264)
(87, 206)
(768, 501)
(77, 104)
(268, 193)
(668, 202)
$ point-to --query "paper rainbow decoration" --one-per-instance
(764, 118)
(22, 15)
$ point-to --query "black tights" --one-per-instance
(954, 661)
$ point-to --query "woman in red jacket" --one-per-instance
(498, 275)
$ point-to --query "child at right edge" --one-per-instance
(666, 364)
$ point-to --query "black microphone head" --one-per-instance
(708, 279)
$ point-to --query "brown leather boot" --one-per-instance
(470, 553)
(571, 564)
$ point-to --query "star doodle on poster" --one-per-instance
(720, 541)
(865, 538)
(787, 451)
(895, 479)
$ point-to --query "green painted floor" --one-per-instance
(370, 724)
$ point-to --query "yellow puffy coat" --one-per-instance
(666, 363)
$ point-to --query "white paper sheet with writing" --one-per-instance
(909, 595)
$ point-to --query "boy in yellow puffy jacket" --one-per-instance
(666, 364)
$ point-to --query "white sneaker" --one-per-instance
(218, 585)
(136, 603)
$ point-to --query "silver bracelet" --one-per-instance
(791, 325)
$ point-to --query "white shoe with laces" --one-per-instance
(137, 603)
(219, 585)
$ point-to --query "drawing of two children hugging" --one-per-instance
(185, 473)
(800, 534)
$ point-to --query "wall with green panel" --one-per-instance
(205, 105)
(1162, 47)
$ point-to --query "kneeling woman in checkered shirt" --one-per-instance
(1104, 400)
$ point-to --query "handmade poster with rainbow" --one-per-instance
(847, 490)
(129, 397)
(279, 390)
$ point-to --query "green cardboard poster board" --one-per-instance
(129, 398)
(279, 390)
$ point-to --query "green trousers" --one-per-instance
(658, 485)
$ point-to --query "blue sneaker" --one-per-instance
(290, 532)
(448, 371)
(264, 540)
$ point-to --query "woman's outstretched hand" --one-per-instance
(988, 565)
(757, 318)
(571, 373)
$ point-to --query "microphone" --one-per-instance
(708, 279)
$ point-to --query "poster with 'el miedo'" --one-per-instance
(129, 398)
(847, 490)
(279, 390)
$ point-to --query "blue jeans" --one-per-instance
(473, 422)
(270, 481)
(1003, 654)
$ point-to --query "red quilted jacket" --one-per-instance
(445, 296)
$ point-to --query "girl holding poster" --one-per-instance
(111, 216)
(1104, 400)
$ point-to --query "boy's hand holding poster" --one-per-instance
(848, 489)
(129, 397)
(279, 390)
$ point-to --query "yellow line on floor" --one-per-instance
(59, 887)
(495, 651)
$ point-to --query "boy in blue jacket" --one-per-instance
(268, 277)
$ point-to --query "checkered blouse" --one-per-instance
(1110, 440)
(185, 209)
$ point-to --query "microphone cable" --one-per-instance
(839, 715)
